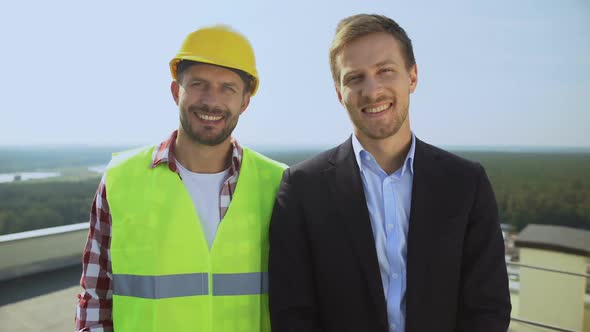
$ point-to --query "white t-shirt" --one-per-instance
(204, 190)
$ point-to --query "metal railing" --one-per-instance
(545, 326)
(584, 275)
(540, 268)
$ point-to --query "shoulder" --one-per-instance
(450, 164)
(128, 156)
(448, 159)
(261, 159)
(316, 164)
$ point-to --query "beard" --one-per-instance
(206, 135)
(384, 129)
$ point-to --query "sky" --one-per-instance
(491, 73)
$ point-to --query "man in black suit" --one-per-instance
(385, 232)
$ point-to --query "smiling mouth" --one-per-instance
(209, 117)
(376, 110)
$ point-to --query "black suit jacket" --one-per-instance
(324, 273)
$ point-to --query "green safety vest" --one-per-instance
(165, 278)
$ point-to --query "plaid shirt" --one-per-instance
(95, 303)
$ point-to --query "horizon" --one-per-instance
(293, 148)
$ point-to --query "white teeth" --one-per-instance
(377, 109)
(209, 117)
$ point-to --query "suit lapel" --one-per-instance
(425, 199)
(349, 198)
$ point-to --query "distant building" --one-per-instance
(18, 177)
(553, 279)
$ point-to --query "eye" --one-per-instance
(353, 79)
(386, 71)
(229, 88)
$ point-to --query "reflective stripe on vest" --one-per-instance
(160, 287)
(240, 283)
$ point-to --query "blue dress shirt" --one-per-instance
(389, 198)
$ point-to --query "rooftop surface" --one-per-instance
(41, 302)
(555, 238)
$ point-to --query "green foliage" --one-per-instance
(542, 188)
(26, 206)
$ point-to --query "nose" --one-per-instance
(372, 89)
(210, 97)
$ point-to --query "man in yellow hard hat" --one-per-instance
(178, 236)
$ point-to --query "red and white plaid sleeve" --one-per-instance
(229, 186)
(95, 303)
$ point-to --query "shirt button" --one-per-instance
(389, 227)
(367, 157)
(394, 275)
(392, 327)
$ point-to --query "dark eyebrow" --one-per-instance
(196, 78)
(352, 73)
(385, 62)
(228, 84)
(231, 84)
(377, 65)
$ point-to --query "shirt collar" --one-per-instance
(359, 151)
(164, 153)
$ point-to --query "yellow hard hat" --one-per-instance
(218, 45)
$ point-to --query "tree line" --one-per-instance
(536, 188)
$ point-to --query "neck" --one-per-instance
(199, 158)
(390, 153)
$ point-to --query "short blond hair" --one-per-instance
(356, 26)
